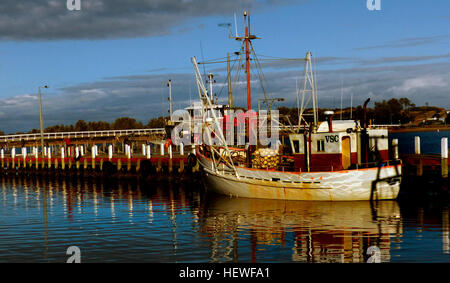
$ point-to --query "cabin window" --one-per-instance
(320, 145)
(296, 146)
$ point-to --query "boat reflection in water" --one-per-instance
(323, 231)
(168, 221)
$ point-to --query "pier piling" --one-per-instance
(444, 157)
(395, 148)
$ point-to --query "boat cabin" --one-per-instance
(338, 148)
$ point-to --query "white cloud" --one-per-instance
(420, 83)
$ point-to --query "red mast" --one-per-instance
(247, 60)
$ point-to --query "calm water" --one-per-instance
(430, 142)
(180, 222)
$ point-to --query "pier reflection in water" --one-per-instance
(179, 222)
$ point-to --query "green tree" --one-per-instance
(124, 123)
(159, 122)
(98, 126)
(80, 126)
(391, 111)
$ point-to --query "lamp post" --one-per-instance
(41, 120)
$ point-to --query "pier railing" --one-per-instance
(81, 134)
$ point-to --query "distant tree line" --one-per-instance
(122, 123)
(392, 111)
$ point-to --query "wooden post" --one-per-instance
(420, 167)
(444, 157)
(49, 154)
(417, 145)
(62, 159)
(170, 166)
(417, 152)
(93, 153)
(162, 149)
(24, 155)
(110, 152)
(181, 149)
(149, 154)
(181, 169)
(158, 168)
(395, 148)
(119, 165)
(128, 151)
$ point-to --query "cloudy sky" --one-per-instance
(113, 58)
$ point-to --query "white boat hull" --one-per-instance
(349, 185)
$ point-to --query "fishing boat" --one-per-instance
(342, 160)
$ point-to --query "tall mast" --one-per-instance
(211, 81)
(247, 60)
(169, 84)
(230, 94)
(351, 105)
(342, 92)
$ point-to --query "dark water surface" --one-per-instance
(180, 222)
(430, 142)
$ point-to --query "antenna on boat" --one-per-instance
(351, 104)
(247, 60)
(169, 84)
(203, 59)
(230, 93)
(246, 39)
(309, 93)
(235, 25)
(342, 91)
(211, 81)
(227, 25)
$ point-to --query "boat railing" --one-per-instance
(332, 168)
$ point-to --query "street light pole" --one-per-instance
(41, 120)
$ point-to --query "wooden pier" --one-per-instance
(433, 165)
(115, 153)
(177, 166)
